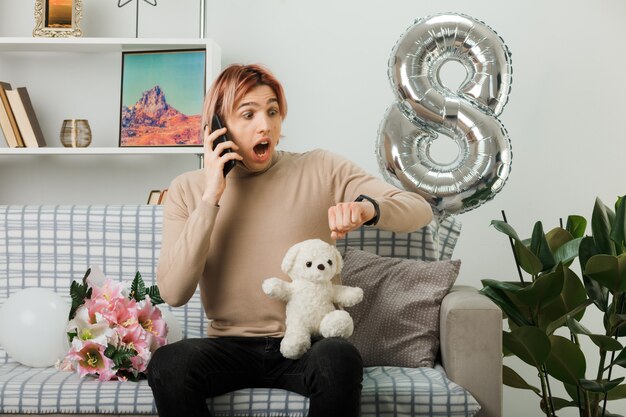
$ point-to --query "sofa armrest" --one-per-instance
(471, 346)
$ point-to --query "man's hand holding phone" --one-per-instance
(220, 156)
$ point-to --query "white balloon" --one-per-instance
(174, 329)
(32, 323)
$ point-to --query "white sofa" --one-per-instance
(50, 246)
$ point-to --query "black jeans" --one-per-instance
(184, 374)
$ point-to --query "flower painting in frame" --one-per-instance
(162, 97)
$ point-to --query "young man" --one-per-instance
(227, 234)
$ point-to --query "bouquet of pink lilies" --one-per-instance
(112, 331)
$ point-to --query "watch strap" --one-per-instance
(375, 219)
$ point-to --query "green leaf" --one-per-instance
(155, 295)
(558, 237)
(609, 271)
(505, 228)
(620, 360)
(511, 286)
(527, 260)
(528, 343)
(503, 301)
(599, 387)
(596, 292)
(566, 361)
(586, 250)
(122, 360)
(574, 391)
(78, 293)
(617, 393)
(572, 295)
(120, 356)
(618, 319)
(602, 341)
(601, 224)
(605, 342)
(513, 379)
(618, 231)
(551, 328)
(543, 290)
(576, 225)
(576, 328)
(567, 252)
(87, 272)
(539, 246)
(109, 351)
(138, 288)
(558, 404)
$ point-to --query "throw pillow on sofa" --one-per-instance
(397, 323)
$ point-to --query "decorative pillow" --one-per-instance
(397, 323)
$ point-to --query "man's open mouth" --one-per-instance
(261, 149)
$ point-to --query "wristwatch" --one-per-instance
(374, 219)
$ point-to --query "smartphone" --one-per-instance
(216, 124)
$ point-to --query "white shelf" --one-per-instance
(102, 45)
(91, 46)
(101, 57)
(197, 150)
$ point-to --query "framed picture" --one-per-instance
(154, 197)
(58, 18)
(163, 196)
(162, 98)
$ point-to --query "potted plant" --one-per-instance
(544, 311)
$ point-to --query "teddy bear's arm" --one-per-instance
(347, 296)
(277, 288)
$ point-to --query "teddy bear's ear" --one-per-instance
(290, 258)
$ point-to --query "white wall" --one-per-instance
(564, 114)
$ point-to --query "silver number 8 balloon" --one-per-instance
(425, 109)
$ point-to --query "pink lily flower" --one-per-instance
(152, 322)
(90, 359)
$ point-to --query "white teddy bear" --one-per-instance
(311, 297)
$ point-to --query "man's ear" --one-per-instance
(290, 258)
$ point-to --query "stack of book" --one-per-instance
(17, 118)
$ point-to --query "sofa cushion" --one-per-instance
(46, 390)
(434, 242)
(387, 392)
(416, 392)
(397, 323)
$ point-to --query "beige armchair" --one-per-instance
(471, 346)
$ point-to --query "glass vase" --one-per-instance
(75, 133)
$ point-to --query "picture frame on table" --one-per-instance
(162, 96)
(58, 18)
